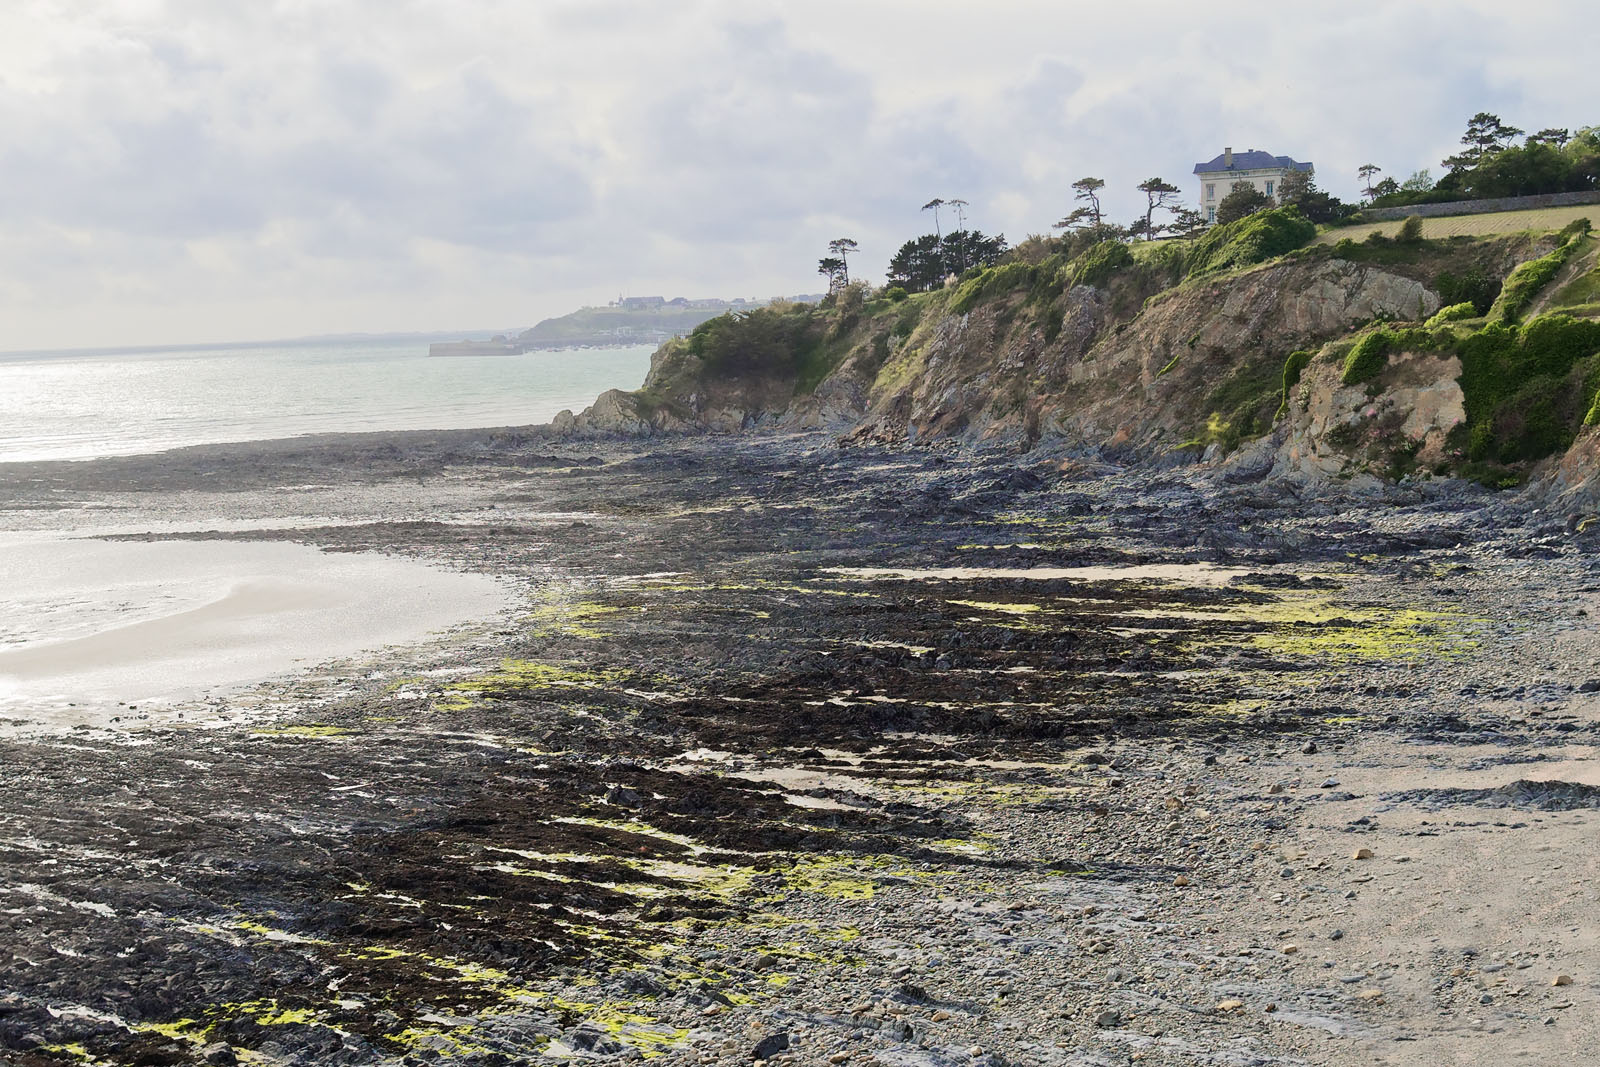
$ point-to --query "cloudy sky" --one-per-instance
(189, 170)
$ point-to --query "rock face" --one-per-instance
(1122, 370)
(613, 412)
(1141, 385)
(1136, 371)
(1576, 478)
(1335, 429)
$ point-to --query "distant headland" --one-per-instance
(628, 320)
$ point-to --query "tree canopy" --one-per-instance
(1245, 199)
(1554, 160)
(924, 262)
(1298, 189)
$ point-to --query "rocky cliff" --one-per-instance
(1155, 360)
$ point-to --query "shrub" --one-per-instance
(910, 315)
(1474, 287)
(764, 341)
(1593, 418)
(989, 283)
(1244, 404)
(1368, 358)
(1293, 367)
(1410, 231)
(1525, 282)
(1453, 313)
(895, 294)
(1530, 424)
(1097, 266)
(1253, 239)
(1552, 344)
(1526, 389)
(1578, 227)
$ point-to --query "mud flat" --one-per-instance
(810, 755)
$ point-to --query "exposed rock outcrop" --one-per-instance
(1141, 368)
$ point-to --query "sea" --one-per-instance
(82, 405)
(97, 631)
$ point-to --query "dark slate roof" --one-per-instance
(1252, 161)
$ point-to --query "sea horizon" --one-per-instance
(96, 403)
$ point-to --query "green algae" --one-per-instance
(517, 675)
(446, 1042)
(561, 611)
(1317, 627)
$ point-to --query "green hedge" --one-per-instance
(766, 341)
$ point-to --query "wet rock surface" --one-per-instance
(714, 795)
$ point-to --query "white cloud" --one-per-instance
(181, 169)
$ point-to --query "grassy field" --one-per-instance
(1552, 218)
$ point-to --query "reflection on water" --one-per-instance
(80, 406)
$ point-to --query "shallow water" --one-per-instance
(90, 627)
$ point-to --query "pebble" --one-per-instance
(1561, 979)
(1361, 854)
(1230, 1005)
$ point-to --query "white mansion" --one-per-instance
(1263, 170)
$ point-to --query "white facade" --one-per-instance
(1261, 170)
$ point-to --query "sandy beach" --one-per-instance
(804, 755)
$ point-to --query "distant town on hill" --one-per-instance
(628, 320)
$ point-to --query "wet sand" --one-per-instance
(96, 627)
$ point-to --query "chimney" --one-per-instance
(1227, 159)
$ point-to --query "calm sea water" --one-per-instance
(77, 406)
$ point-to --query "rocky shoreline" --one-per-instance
(816, 755)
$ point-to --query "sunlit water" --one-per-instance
(77, 406)
(90, 630)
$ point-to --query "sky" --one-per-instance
(182, 171)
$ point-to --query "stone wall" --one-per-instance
(1478, 207)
